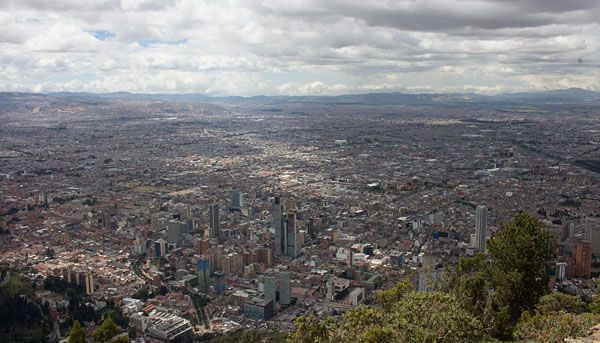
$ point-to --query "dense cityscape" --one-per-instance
(193, 219)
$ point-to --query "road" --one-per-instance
(5, 280)
(54, 334)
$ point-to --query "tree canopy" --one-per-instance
(77, 334)
(518, 255)
(410, 317)
(105, 332)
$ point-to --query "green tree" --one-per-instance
(250, 337)
(414, 317)
(518, 255)
(120, 339)
(556, 302)
(311, 330)
(105, 332)
(471, 283)
(595, 305)
(387, 298)
(77, 334)
(554, 327)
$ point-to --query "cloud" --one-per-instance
(298, 47)
(311, 88)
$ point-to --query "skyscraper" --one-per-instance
(175, 230)
(292, 239)
(161, 248)
(287, 240)
(591, 226)
(280, 243)
(583, 259)
(213, 219)
(560, 271)
(481, 228)
(284, 288)
(203, 272)
(270, 287)
(220, 284)
(237, 199)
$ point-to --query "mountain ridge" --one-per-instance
(566, 96)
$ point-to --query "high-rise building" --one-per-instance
(203, 272)
(591, 226)
(329, 295)
(583, 260)
(560, 271)
(284, 288)
(213, 219)
(587, 231)
(263, 255)
(175, 230)
(287, 239)
(237, 199)
(203, 245)
(89, 284)
(292, 237)
(270, 287)
(481, 228)
(280, 242)
(220, 285)
(216, 257)
(161, 248)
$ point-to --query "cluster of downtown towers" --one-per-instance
(287, 243)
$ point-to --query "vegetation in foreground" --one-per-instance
(500, 300)
(22, 318)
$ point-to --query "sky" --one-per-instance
(298, 47)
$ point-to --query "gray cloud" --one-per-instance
(299, 46)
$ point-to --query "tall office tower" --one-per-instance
(213, 219)
(481, 228)
(587, 231)
(237, 199)
(175, 230)
(203, 272)
(592, 226)
(220, 285)
(560, 271)
(203, 245)
(265, 255)
(161, 248)
(216, 257)
(270, 288)
(583, 260)
(291, 233)
(280, 243)
(284, 288)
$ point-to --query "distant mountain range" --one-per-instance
(561, 96)
(571, 95)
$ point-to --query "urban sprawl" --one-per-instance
(275, 211)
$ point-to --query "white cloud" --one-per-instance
(298, 47)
